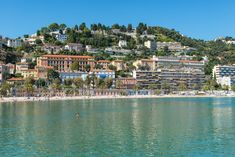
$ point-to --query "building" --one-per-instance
(145, 64)
(102, 74)
(125, 83)
(29, 73)
(172, 78)
(224, 75)
(63, 63)
(119, 64)
(104, 63)
(21, 67)
(51, 49)
(61, 37)
(74, 47)
(177, 62)
(14, 43)
(150, 45)
(73, 75)
(122, 43)
(14, 80)
(11, 68)
(3, 73)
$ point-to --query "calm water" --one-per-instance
(133, 127)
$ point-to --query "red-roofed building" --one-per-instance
(64, 62)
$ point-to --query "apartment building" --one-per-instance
(14, 43)
(224, 75)
(191, 78)
(150, 45)
(64, 62)
(119, 64)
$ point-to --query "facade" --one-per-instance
(11, 68)
(104, 63)
(74, 47)
(125, 83)
(61, 37)
(102, 74)
(63, 63)
(29, 73)
(224, 75)
(145, 64)
(73, 75)
(21, 67)
(172, 78)
(51, 49)
(122, 43)
(3, 71)
(119, 64)
(14, 43)
(151, 45)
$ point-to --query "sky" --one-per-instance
(201, 19)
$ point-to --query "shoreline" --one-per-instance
(56, 98)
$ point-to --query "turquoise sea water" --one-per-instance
(119, 128)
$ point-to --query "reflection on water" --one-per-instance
(125, 127)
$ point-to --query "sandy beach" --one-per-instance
(32, 99)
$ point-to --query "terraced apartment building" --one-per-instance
(171, 72)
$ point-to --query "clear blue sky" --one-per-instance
(204, 19)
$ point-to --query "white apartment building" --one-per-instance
(14, 43)
(224, 75)
(151, 45)
(122, 43)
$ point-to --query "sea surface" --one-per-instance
(119, 128)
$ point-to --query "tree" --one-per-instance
(88, 81)
(54, 27)
(38, 41)
(5, 88)
(78, 82)
(119, 84)
(28, 85)
(68, 82)
(62, 26)
(112, 67)
(40, 83)
(88, 68)
(129, 27)
(98, 66)
(75, 66)
(82, 26)
(182, 86)
(56, 85)
(233, 88)
(108, 82)
(52, 75)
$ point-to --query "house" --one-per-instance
(61, 37)
(51, 49)
(122, 43)
(150, 45)
(16, 80)
(104, 63)
(119, 64)
(21, 67)
(14, 43)
(74, 47)
(73, 75)
(29, 73)
(11, 68)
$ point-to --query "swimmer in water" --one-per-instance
(77, 115)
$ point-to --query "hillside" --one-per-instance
(100, 37)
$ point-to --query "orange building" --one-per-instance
(64, 62)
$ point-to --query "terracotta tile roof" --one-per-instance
(104, 61)
(188, 61)
(15, 79)
(67, 56)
